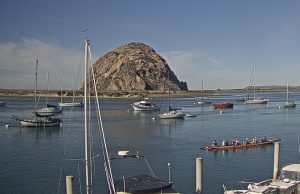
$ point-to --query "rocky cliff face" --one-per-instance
(135, 67)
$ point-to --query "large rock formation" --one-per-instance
(135, 67)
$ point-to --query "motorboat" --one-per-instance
(143, 183)
(204, 101)
(223, 105)
(144, 105)
(288, 183)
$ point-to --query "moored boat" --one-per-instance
(2, 102)
(70, 104)
(258, 100)
(47, 111)
(144, 105)
(288, 103)
(204, 101)
(143, 183)
(239, 146)
(40, 122)
(223, 105)
(172, 114)
(287, 183)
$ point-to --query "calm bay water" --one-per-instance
(31, 159)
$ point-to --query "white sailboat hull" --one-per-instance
(49, 111)
(289, 104)
(172, 115)
(2, 103)
(257, 101)
(35, 122)
(70, 104)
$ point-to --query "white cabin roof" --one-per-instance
(292, 168)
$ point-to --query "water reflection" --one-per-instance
(40, 131)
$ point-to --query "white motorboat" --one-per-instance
(287, 183)
(255, 100)
(204, 101)
(144, 105)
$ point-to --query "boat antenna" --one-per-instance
(299, 145)
(169, 170)
(35, 90)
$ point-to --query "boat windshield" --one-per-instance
(145, 104)
(290, 175)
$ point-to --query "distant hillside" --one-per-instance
(135, 67)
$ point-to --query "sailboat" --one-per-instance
(2, 102)
(288, 103)
(256, 100)
(69, 104)
(49, 110)
(138, 184)
(203, 100)
(37, 121)
(172, 113)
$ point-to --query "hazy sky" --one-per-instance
(212, 40)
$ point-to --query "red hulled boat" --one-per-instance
(223, 105)
(239, 146)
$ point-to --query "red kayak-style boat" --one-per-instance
(223, 105)
(239, 146)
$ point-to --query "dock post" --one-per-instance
(199, 172)
(276, 160)
(69, 184)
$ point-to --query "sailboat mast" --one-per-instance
(287, 91)
(61, 87)
(74, 90)
(35, 90)
(47, 88)
(169, 90)
(202, 89)
(254, 80)
(86, 129)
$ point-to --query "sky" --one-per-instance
(211, 40)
